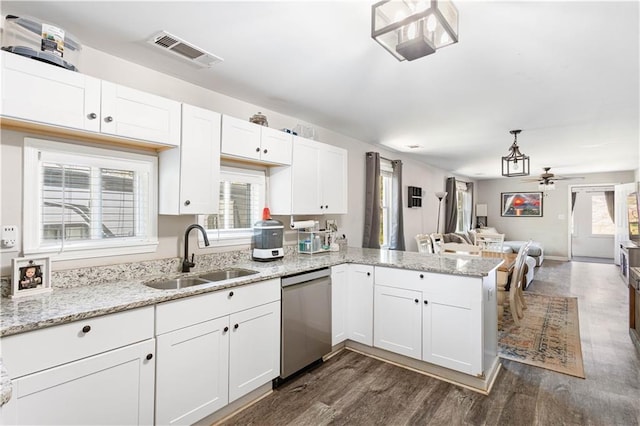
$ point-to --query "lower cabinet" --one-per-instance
(230, 348)
(360, 304)
(432, 317)
(339, 283)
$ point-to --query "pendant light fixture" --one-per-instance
(516, 163)
(411, 29)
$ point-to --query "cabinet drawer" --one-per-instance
(185, 312)
(40, 349)
(442, 284)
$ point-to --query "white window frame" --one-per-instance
(386, 219)
(39, 150)
(235, 237)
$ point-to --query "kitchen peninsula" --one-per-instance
(450, 303)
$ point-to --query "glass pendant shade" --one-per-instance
(411, 29)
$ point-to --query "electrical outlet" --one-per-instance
(9, 236)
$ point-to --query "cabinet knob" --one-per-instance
(368, 274)
(265, 151)
(86, 329)
(258, 149)
(326, 206)
(416, 300)
(108, 119)
(421, 276)
(186, 203)
(322, 207)
(235, 326)
(92, 116)
(230, 294)
(426, 302)
(226, 329)
(149, 356)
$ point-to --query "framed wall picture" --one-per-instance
(31, 275)
(521, 204)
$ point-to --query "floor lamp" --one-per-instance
(440, 196)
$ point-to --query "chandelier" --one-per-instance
(411, 29)
(516, 163)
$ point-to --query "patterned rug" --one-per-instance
(548, 335)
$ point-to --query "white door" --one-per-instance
(339, 284)
(593, 232)
(333, 178)
(397, 321)
(360, 304)
(305, 186)
(452, 332)
(135, 114)
(64, 98)
(192, 372)
(254, 349)
(200, 161)
(621, 217)
(113, 388)
(276, 146)
(240, 138)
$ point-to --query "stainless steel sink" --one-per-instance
(176, 283)
(227, 274)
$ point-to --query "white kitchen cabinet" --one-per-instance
(316, 182)
(215, 348)
(254, 349)
(189, 175)
(195, 358)
(94, 371)
(339, 289)
(360, 304)
(397, 322)
(448, 314)
(246, 140)
(37, 92)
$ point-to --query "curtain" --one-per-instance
(574, 195)
(451, 207)
(396, 236)
(371, 235)
(470, 218)
(610, 198)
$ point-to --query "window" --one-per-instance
(242, 197)
(386, 219)
(83, 202)
(601, 223)
(464, 207)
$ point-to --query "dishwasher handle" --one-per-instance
(304, 277)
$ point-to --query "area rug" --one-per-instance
(548, 335)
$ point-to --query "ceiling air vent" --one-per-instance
(188, 51)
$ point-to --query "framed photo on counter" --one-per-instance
(31, 275)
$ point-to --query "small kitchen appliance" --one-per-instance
(267, 240)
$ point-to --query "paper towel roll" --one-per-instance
(303, 224)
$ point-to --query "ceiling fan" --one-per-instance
(548, 179)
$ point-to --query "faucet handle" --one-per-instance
(192, 257)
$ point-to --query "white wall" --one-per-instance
(171, 229)
(552, 228)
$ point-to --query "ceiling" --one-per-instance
(566, 73)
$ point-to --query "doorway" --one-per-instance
(592, 223)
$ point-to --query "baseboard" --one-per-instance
(559, 258)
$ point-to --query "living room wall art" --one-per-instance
(521, 204)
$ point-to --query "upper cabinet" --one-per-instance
(189, 175)
(316, 183)
(245, 140)
(69, 101)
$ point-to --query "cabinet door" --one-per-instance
(397, 322)
(339, 283)
(452, 332)
(115, 387)
(240, 138)
(200, 161)
(333, 177)
(254, 349)
(192, 372)
(360, 304)
(305, 186)
(135, 114)
(64, 98)
(276, 146)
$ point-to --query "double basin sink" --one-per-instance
(215, 276)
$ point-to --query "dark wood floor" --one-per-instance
(352, 389)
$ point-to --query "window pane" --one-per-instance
(601, 223)
(118, 203)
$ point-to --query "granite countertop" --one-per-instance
(73, 303)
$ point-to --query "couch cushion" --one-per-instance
(535, 249)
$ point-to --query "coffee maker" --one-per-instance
(267, 240)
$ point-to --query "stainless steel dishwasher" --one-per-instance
(306, 320)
